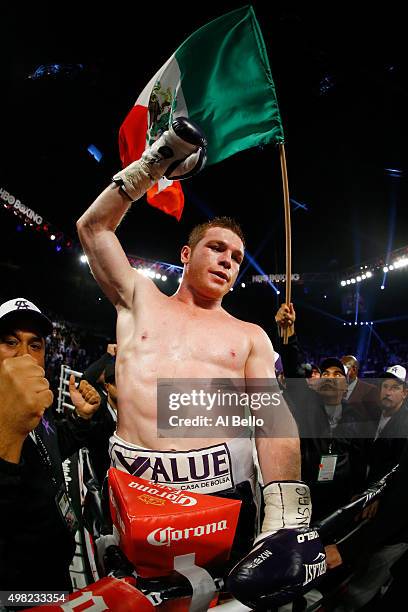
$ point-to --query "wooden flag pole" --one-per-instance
(288, 236)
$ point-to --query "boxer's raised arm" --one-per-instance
(106, 257)
(179, 153)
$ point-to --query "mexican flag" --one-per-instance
(219, 77)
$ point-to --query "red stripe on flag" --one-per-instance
(132, 143)
(170, 200)
(132, 135)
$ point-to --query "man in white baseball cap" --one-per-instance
(19, 308)
(37, 524)
(398, 372)
(392, 430)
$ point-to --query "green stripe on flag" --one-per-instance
(227, 84)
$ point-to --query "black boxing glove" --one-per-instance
(179, 153)
(280, 567)
(288, 510)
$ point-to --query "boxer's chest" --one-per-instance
(188, 339)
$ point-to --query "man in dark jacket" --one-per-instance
(382, 542)
(392, 430)
(332, 438)
(361, 396)
(37, 522)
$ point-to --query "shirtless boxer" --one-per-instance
(186, 335)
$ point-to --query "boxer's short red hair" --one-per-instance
(198, 232)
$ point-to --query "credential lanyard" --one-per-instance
(45, 458)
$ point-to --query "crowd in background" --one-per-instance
(352, 433)
(379, 356)
(71, 346)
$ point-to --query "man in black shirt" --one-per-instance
(37, 523)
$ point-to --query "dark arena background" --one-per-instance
(70, 76)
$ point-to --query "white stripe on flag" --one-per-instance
(169, 77)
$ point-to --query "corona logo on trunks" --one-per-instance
(163, 537)
(153, 518)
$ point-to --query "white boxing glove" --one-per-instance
(179, 153)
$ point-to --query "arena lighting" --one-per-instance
(146, 266)
(382, 287)
(359, 278)
(393, 171)
(258, 268)
(243, 285)
(179, 279)
(401, 263)
(392, 260)
(151, 274)
(95, 152)
(53, 71)
(83, 259)
(356, 323)
(52, 237)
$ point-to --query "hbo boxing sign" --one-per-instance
(20, 207)
(274, 278)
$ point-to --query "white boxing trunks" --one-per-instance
(226, 470)
(202, 470)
